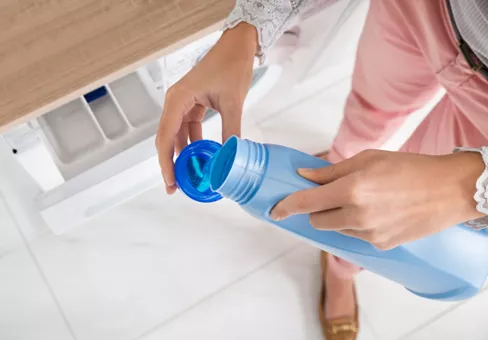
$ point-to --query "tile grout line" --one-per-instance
(369, 323)
(40, 271)
(438, 317)
(423, 324)
(218, 291)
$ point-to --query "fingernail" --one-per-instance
(170, 190)
(276, 216)
(305, 171)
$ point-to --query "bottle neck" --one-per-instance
(238, 169)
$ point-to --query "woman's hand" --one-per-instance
(389, 198)
(220, 81)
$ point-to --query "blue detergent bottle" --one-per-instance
(450, 265)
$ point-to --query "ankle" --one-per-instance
(337, 283)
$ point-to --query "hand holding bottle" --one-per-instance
(220, 81)
(389, 198)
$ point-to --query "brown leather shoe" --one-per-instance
(337, 329)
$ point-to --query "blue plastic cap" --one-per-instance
(192, 170)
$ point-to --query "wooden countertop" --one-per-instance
(52, 51)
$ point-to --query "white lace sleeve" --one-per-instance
(481, 196)
(270, 17)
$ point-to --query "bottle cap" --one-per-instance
(192, 170)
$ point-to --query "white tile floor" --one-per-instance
(142, 273)
(28, 310)
(279, 301)
(158, 268)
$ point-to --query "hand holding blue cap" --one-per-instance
(192, 170)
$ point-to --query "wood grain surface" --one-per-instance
(52, 51)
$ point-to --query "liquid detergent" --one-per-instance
(450, 265)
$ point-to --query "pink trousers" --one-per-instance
(407, 51)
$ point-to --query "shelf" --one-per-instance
(56, 51)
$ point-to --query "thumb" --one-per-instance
(231, 121)
(331, 172)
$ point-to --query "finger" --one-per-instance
(357, 233)
(231, 122)
(381, 241)
(333, 172)
(336, 219)
(321, 198)
(170, 188)
(195, 131)
(181, 140)
(197, 114)
(175, 107)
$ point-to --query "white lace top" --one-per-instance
(273, 17)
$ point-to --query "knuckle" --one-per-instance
(384, 245)
(172, 91)
(372, 156)
(372, 236)
(175, 91)
(300, 202)
(380, 240)
(231, 103)
(356, 189)
(367, 153)
(361, 189)
(368, 237)
(379, 165)
(354, 196)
